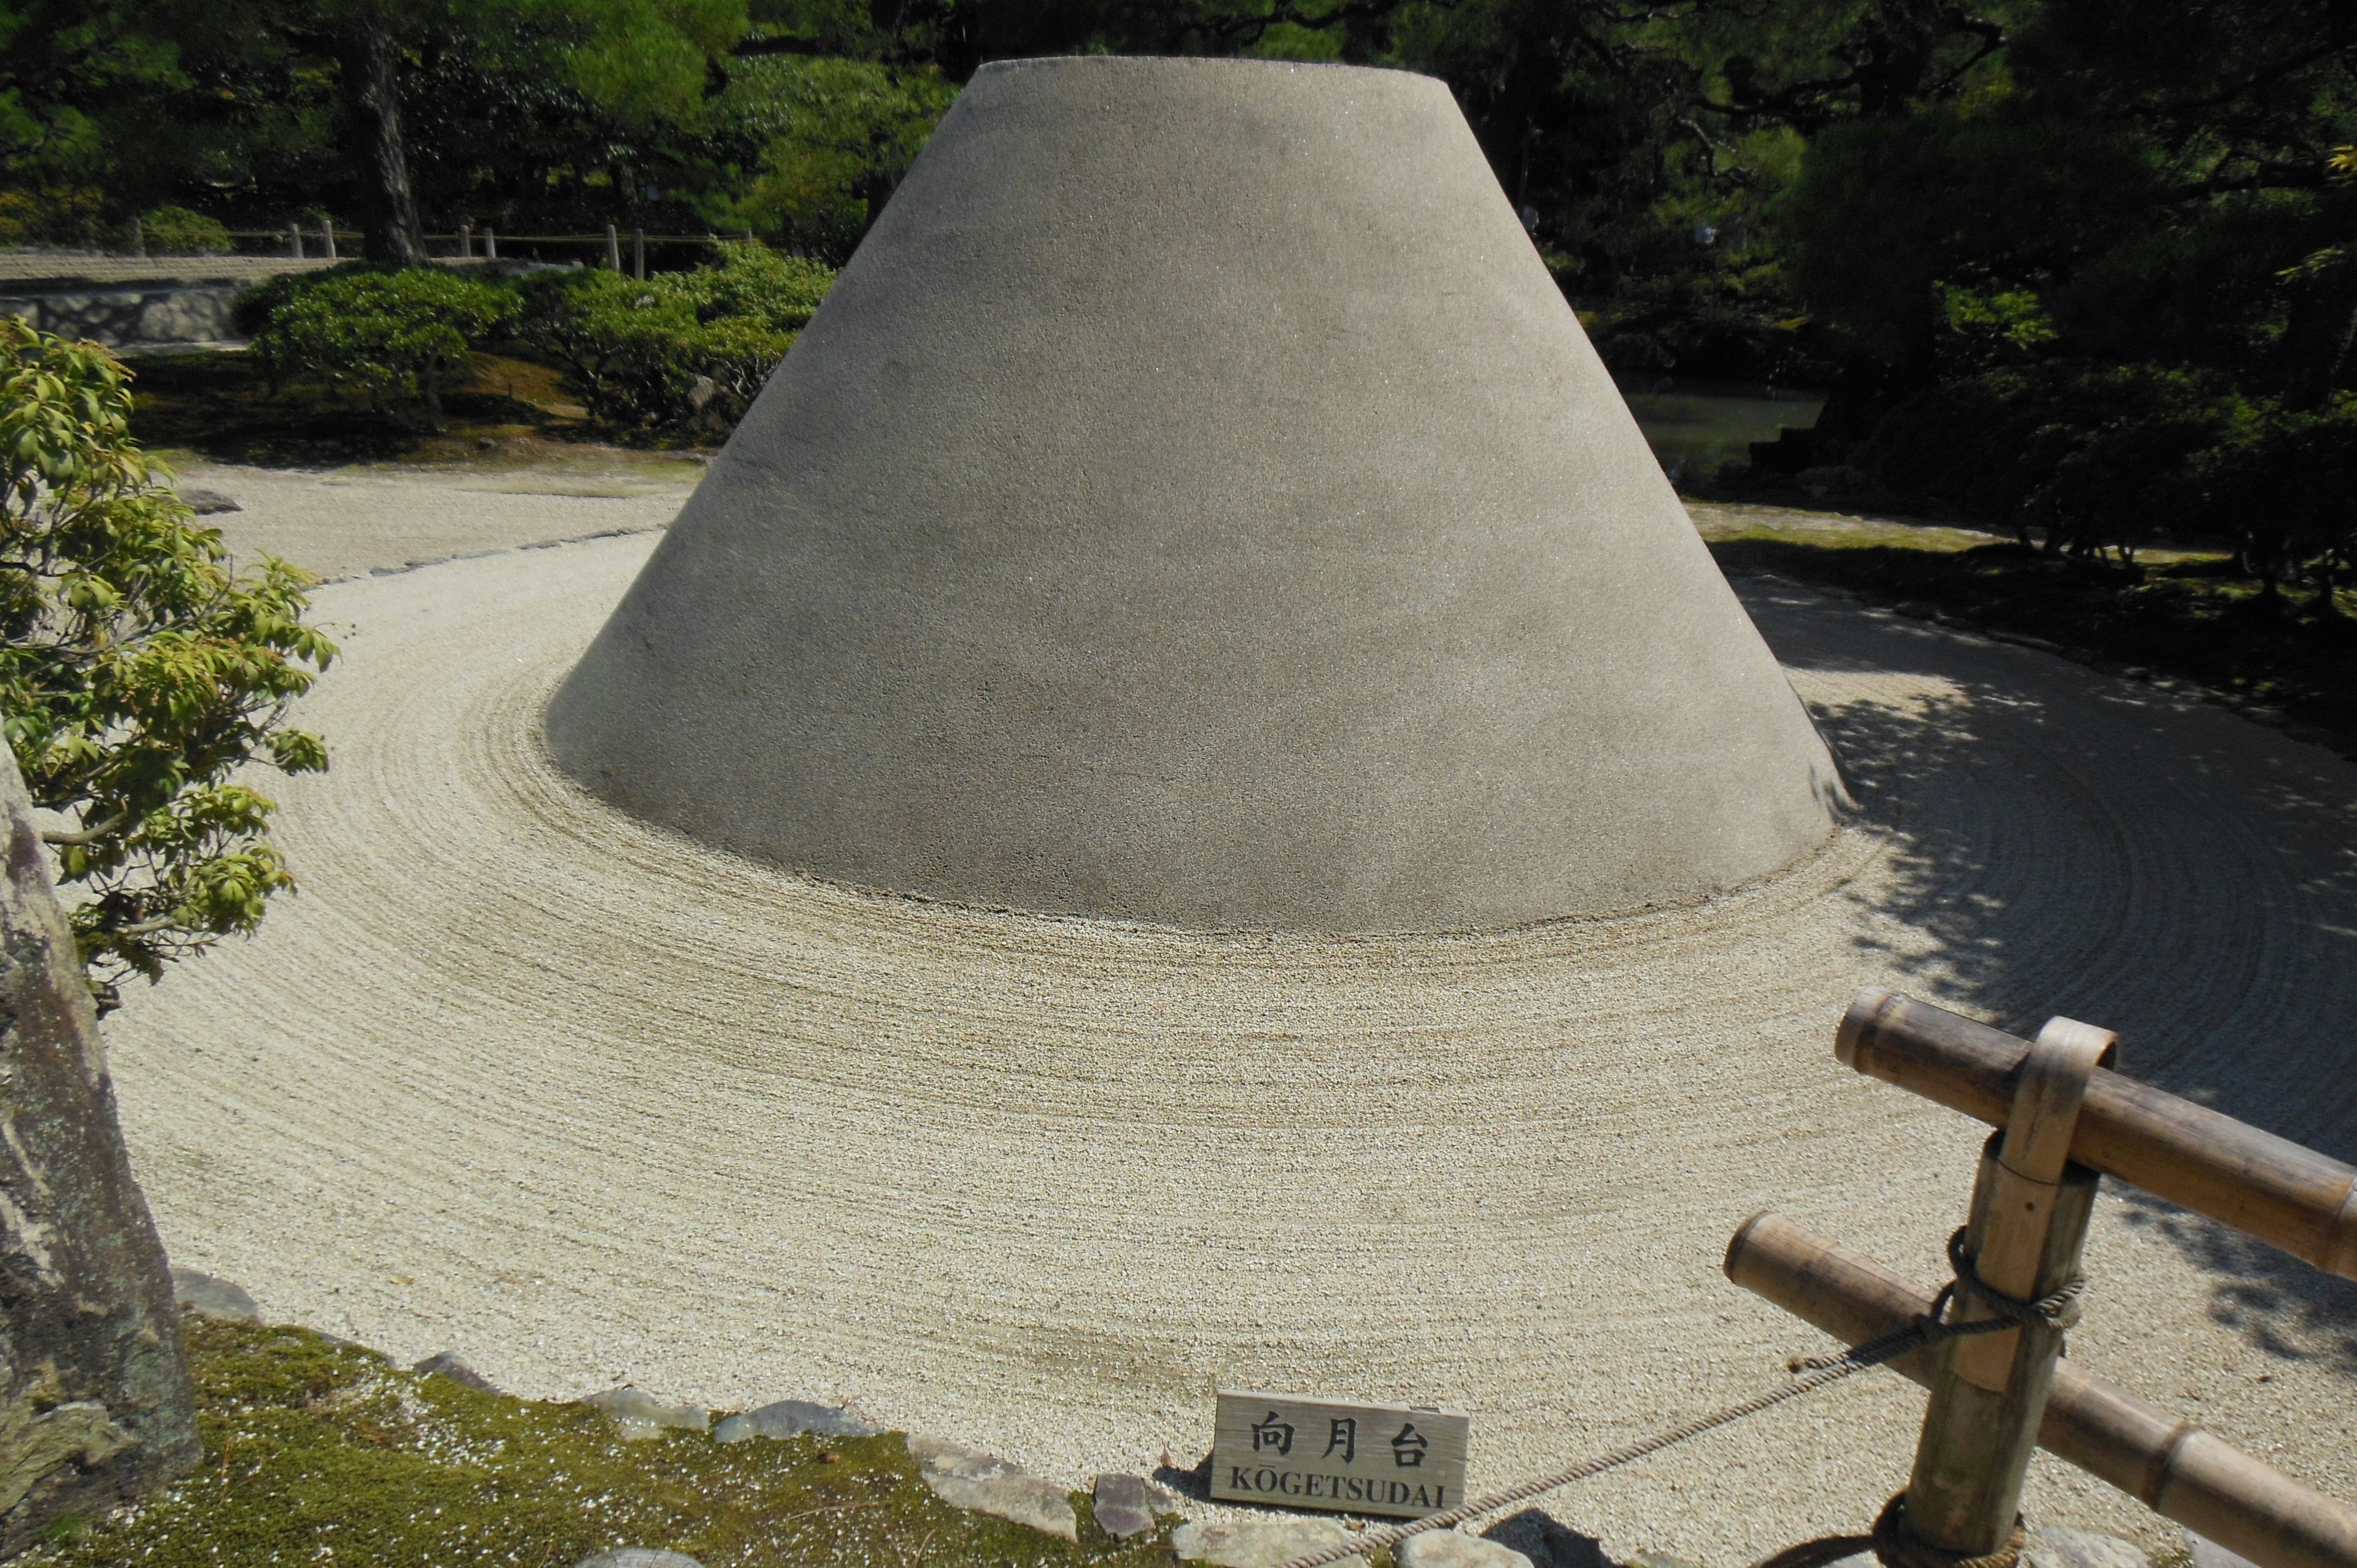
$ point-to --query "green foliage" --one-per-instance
(835, 137)
(2091, 457)
(51, 215)
(678, 350)
(396, 335)
(320, 1452)
(138, 675)
(177, 231)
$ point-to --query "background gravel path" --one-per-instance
(518, 1076)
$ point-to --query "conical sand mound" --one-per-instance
(1197, 504)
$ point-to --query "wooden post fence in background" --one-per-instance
(295, 242)
(491, 244)
(466, 242)
(639, 255)
(613, 249)
(328, 237)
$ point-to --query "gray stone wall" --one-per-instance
(132, 317)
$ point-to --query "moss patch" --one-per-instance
(319, 1453)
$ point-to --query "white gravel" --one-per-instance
(517, 1076)
(349, 522)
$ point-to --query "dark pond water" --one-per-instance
(1694, 427)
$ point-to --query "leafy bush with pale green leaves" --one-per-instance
(399, 336)
(678, 351)
(138, 674)
(177, 231)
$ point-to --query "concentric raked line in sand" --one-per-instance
(517, 1075)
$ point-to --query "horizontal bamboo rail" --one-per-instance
(2172, 1466)
(2270, 1188)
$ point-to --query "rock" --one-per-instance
(1548, 1542)
(2053, 1546)
(212, 1296)
(1254, 1542)
(1663, 1560)
(95, 1402)
(2208, 1553)
(1126, 1505)
(641, 1416)
(791, 1418)
(207, 503)
(966, 1479)
(637, 1557)
(446, 1364)
(1454, 1549)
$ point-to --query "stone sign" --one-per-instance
(1349, 1458)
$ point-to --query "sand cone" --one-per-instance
(1196, 503)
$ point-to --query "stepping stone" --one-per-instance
(964, 1478)
(638, 1557)
(2053, 1546)
(207, 503)
(641, 1416)
(214, 1297)
(446, 1364)
(1126, 1505)
(791, 1418)
(2208, 1553)
(1453, 1548)
(1254, 1542)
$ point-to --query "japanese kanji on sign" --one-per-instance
(1292, 1452)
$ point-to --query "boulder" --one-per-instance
(1126, 1505)
(213, 1296)
(964, 1478)
(1454, 1549)
(1253, 1543)
(638, 1557)
(791, 1418)
(1549, 1542)
(95, 1402)
(446, 1364)
(640, 1415)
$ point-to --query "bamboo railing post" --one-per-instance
(2029, 1213)
(613, 249)
(2171, 1466)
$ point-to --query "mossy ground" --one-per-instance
(2186, 614)
(513, 410)
(321, 1453)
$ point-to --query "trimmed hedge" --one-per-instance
(679, 351)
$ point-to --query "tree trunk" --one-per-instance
(96, 1404)
(380, 150)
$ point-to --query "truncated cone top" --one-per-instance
(1196, 503)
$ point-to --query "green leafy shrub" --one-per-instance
(177, 231)
(50, 215)
(138, 674)
(2089, 458)
(397, 334)
(679, 351)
